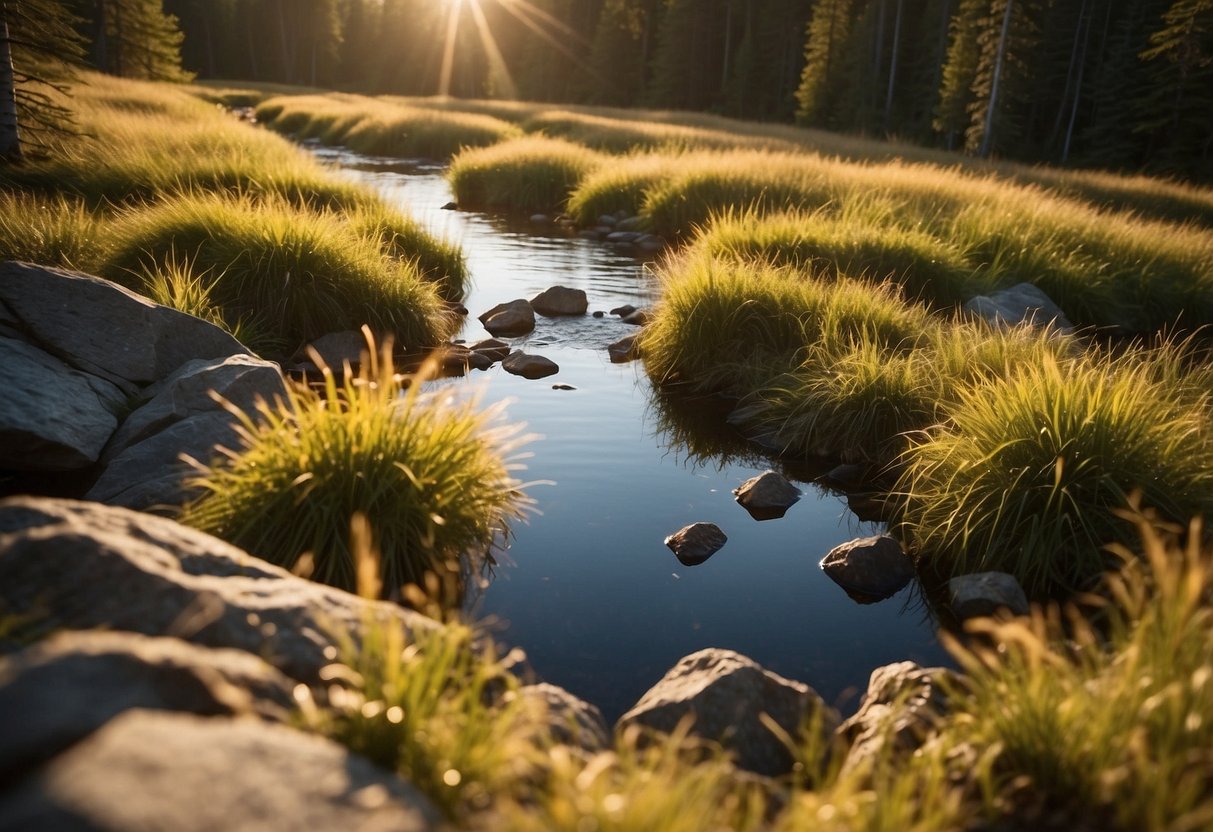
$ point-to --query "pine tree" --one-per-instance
(616, 73)
(959, 72)
(135, 39)
(39, 50)
(825, 47)
(687, 61)
(1177, 112)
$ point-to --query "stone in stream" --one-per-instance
(639, 317)
(872, 568)
(529, 366)
(985, 593)
(540, 219)
(767, 496)
(694, 544)
(513, 318)
(494, 349)
(623, 311)
(560, 300)
(625, 349)
(727, 694)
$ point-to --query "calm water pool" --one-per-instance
(588, 589)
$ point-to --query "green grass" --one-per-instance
(402, 238)
(1028, 473)
(426, 469)
(53, 231)
(307, 273)
(529, 174)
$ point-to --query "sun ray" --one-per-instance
(448, 48)
(499, 71)
(533, 18)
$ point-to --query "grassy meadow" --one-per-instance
(814, 282)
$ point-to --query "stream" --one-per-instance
(588, 589)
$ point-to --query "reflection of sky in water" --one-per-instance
(589, 590)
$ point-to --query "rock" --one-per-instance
(573, 721)
(903, 707)
(450, 206)
(624, 350)
(1019, 303)
(767, 496)
(77, 565)
(479, 361)
(563, 387)
(61, 690)
(641, 317)
(338, 350)
(608, 220)
(560, 300)
(240, 379)
(876, 567)
(589, 234)
(103, 329)
(694, 544)
(494, 349)
(598, 313)
(627, 223)
(540, 219)
(508, 319)
(623, 311)
(726, 692)
(624, 237)
(870, 507)
(650, 243)
(149, 770)
(847, 475)
(985, 593)
(52, 417)
(529, 366)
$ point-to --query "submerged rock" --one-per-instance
(513, 318)
(767, 496)
(985, 593)
(694, 544)
(727, 693)
(560, 300)
(875, 567)
(529, 366)
(624, 350)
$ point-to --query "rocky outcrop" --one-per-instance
(986, 593)
(52, 417)
(509, 319)
(560, 300)
(59, 691)
(572, 721)
(903, 706)
(100, 328)
(724, 693)
(869, 567)
(530, 366)
(149, 770)
(767, 496)
(75, 565)
(694, 544)
(1019, 304)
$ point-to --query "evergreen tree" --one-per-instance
(619, 54)
(39, 50)
(1177, 111)
(959, 72)
(822, 83)
(688, 58)
(135, 39)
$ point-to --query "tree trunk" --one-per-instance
(100, 37)
(10, 136)
(987, 138)
(1082, 63)
(888, 99)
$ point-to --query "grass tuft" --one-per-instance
(529, 174)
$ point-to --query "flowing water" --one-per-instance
(588, 589)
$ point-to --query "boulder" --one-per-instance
(608, 220)
(150, 770)
(529, 366)
(52, 417)
(985, 593)
(103, 329)
(694, 544)
(60, 690)
(639, 317)
(873, 567)
(767, 496)
(495, 349)
(725, 693)
(903, 706)
(509, 319)
(624, 237)
(624, 350)
(77, 565)
(629, 223)
(1018, 304)
(560, 300)
(572, 720)
(623, 311)
(336, 350)
(242, 380)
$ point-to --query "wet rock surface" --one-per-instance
(767, 496)
(624, 350)
(986, 593)
(509, 319)
(529, 366)
(694, 544)
(725, 693)
(560, 300)
(870, 567)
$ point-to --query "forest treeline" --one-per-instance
(1124, 84)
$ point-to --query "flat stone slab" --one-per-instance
(694, 544)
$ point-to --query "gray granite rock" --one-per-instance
(725, 693)
(694, 544)
(573, 721)
(1018, 304)
(152, 770)
(767, 496)
(876, 567)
